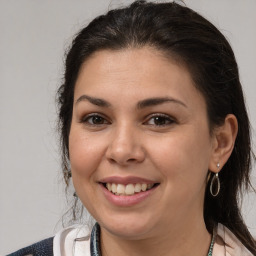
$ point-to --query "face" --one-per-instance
(139, 143)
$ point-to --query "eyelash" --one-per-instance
(86, 119)
(163, 118)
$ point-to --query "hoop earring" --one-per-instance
(215, 182)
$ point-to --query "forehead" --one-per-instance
(143, 72)
(143, 60)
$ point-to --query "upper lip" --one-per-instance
(126, 180)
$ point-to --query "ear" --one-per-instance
(223, 139)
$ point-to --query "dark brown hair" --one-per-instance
(183, 34)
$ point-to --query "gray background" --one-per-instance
(33, 37)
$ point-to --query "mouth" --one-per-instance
(129, 189)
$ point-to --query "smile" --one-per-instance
(129, 189)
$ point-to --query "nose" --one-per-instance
(125, 146)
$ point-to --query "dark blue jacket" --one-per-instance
(45, 247)
(42, 248)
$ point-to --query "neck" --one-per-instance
(189, 238)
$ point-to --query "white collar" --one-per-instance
(227, 244)
(66, 242)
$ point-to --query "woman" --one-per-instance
(155, 136)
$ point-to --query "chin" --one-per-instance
(127, 227)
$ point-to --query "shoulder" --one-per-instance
(74, 240)
(41, 248)
(228, 244)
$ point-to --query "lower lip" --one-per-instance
(126, 201)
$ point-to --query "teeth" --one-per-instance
(137, 187)
(109, 186)
(149, 186)
(130, 189)
(120, 188)
(144, 187)
(113, 188)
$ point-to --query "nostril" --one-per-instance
(125, 153)
(123, 161)
(112, 160)
(131, 160)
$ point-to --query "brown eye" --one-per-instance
(160, 120)
(97, 120)
(94, 120)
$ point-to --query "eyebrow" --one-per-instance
(157, 101)
(95, 101)
(140, 105)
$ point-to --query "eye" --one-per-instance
(160, 120)
(94, 119)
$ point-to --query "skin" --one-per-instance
(125, 140)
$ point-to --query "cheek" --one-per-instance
(183, 156)
(84, 155)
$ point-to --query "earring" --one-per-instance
(215, 183)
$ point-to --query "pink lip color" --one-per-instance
(126, 201)
(126, 180)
